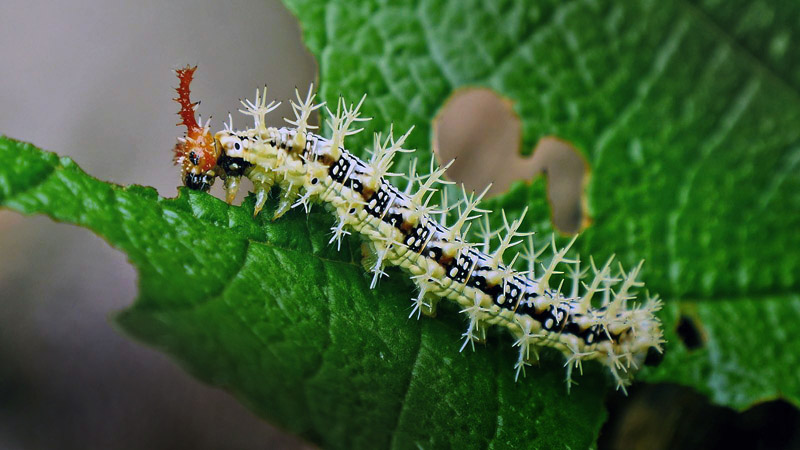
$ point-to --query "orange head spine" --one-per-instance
(196, 152)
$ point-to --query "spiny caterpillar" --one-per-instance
(596, 321)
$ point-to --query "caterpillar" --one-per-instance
(598, 320)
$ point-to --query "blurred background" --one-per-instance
(93, 80)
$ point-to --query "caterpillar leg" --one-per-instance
(285, 204)
(367, 256)
(262, 183)
(425, 274)
(290, 191)
(423, 304)
(231, 188)
(262, 192)
(373, 260)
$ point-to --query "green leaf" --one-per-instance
(687, 115)
(687, 112)
(734, 374)
(272, 313)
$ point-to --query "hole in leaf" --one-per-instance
(480, 130)
(689, 333)
(653, 357)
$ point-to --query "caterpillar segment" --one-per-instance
(598, 319)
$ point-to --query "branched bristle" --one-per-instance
(384, 152)
(474, 313)
(506, 241)
(558, 257)
(532, 256)
(576, 274)
(434, 177)
(302, 110)
(600, 276)
(585, 312)
(259, 108)
(413, 176)
(486, 234)
(342, 121)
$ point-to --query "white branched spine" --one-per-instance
(597, 319)
(259, 109)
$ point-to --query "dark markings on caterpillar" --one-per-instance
(418, 236)
(339, 169)
(595, 322)
(233, 166)
(379, 202)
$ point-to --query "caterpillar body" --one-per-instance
(598, 320)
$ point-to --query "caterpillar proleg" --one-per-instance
(598, 319)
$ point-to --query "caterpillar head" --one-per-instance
(231, 163)
(195, 152)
